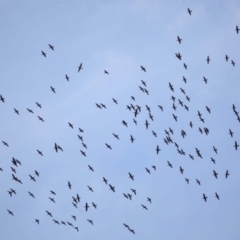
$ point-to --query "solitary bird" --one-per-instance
(44, 54)
(51, 46)
(143, 68)
(237, 29)
(80, 67)
(179, 39)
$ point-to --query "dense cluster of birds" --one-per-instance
(135, 110)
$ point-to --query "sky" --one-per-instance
(119, 37)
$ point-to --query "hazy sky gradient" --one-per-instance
(119, 36)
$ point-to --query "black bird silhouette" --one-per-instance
(158, 149)
(44, 54)
(237, 29)
(48, 213)
(215, 174)
(78, 198)
(80, 67)
(189, 11)
(52, 47)
(178, 55)
(199, 183)
(31, 195)
(16, 111)
(125, 225)
(84, 145)
(2, 98)
(90, 168)
(124, 123)
(144, 83)
(131, 176)
(9, 212)
(83, 153)
(39, 152)
(134, 191)
(29, 110)
(214, 149)
(52, 199)
(32, 178)
(86, 206)
(146, 124)
(149, 199)
(90, 221)
(39, 105)
(227, 174)
(208, 59)
(147, 170)
(205, 197)
(116, 136)
(90, 188)
(169, 164)
(105, 180)
(115, 100)
(231, 133)
(144, 206)
(52, 89)
(5, 143)
(143, 68)
(236, 145)
(111, 187)
(179, 39)
(108, 146)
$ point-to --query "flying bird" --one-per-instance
(44, 54)
(179, 39)
(2, 98)
(80, 67)
(143, 68)
(30, 110)
(50, 46)
(205, 197)
(52, 89)
(131, 176)
(208, 59)
(236, 145)
(5, 143)
(237, 29)
(227, 174)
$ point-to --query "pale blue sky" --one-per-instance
(119, 36)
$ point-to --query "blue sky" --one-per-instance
(119, 36)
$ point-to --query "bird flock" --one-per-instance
(134, 109)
